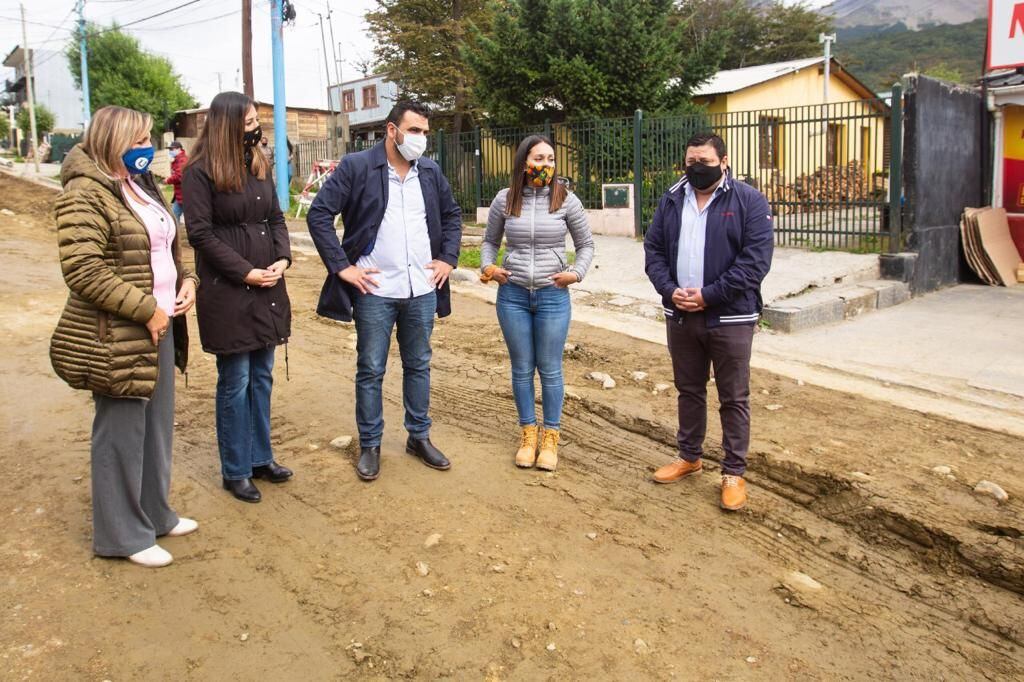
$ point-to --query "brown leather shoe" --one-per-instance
(734, 492)
(677, 470)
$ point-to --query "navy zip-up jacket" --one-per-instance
(358, 191)
(737, 252)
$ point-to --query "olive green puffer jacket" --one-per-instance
(101, 342)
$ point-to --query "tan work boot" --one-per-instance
(527, 453)
(548, 457)
(734, 492)
(677, 470)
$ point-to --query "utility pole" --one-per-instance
(280, 123)
(83, 48)
(220, 82)
(247, 48)
(337, 69)
(331, 137)
(31, 92)
(827, 39)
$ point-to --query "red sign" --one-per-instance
(1005, 34)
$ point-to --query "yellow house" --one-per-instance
(776, 123)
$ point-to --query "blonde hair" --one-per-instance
(113, 131)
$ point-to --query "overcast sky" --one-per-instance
(200, 41)
(204, 39)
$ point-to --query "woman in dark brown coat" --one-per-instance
(240, 239)
(123, 329)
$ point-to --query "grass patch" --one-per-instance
(469, 257)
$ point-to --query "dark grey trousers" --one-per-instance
(694, 348)
(131, 465)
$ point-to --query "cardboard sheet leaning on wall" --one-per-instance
(988, 246)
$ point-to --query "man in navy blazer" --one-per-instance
(708, 249)
(402, 231)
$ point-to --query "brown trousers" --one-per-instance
(694, 349)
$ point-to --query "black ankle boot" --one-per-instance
(243, 490)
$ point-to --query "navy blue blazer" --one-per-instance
(358, 191)
(738, 247)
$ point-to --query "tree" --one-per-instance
(45, 121)
(420, 46)
(573, 59)
(122, 73)
(756, 34)
(5, 125)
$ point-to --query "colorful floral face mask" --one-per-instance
(539, 175)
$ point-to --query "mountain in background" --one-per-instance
(951, 52)
(913, 14)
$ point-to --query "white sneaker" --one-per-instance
(184, 527)
(154, 557)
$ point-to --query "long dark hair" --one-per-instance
(514, 201)
(220, 149)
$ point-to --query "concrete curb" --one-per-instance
(833, 304)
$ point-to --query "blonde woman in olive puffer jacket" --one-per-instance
(535, 214)
(123, 329)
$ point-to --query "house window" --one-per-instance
(835, 151)
(769, 141)
(348, 100)
(370, 97)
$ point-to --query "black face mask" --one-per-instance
(702, 176)
(252, 137)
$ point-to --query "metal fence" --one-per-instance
(825, 169)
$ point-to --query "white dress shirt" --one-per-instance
(402, 249)
(692, 232)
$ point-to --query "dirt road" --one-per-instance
(592, 572)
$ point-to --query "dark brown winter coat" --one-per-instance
(101, 342)
(233, 233)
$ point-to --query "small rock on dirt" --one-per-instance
(860, 476)
(660, 388)
(640, 647)
(751, 659)
(341, 442)
(773, 407)
(592, 536)
(801, 582)
(499, 568)
(551, 646)
(638, 376)
(606, 381)
(422, 568)
(570, 347)
(7, 211)
(244, 637)
(991, 489)
(432, 540)
(942, 470)
(516, 644)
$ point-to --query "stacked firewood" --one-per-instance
(827, 185)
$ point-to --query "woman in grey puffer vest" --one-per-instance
(534, 214)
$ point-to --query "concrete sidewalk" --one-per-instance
(48, 176)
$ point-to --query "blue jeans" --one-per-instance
(177, 210)
(536, 325)
(244, 381)
(375, 317)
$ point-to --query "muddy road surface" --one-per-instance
(854, 559)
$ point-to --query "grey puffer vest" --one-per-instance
(536, 238)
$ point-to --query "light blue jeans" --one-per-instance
(535, 325)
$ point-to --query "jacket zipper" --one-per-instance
(533, 242)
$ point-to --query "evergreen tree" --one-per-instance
(420, 46)
(574, 59)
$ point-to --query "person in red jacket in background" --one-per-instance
(178, 160)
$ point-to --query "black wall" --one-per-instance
(942, 174)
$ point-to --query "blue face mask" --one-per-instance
(137, 160)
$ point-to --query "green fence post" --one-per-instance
(896, 170)
(478, 161)
(638, 174)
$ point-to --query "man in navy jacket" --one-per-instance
(401, 241)
(707, 250)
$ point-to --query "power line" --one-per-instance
(190, 23)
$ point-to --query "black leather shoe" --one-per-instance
(368, 467)
(243, 490)
(273, 472)
(426, 451)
